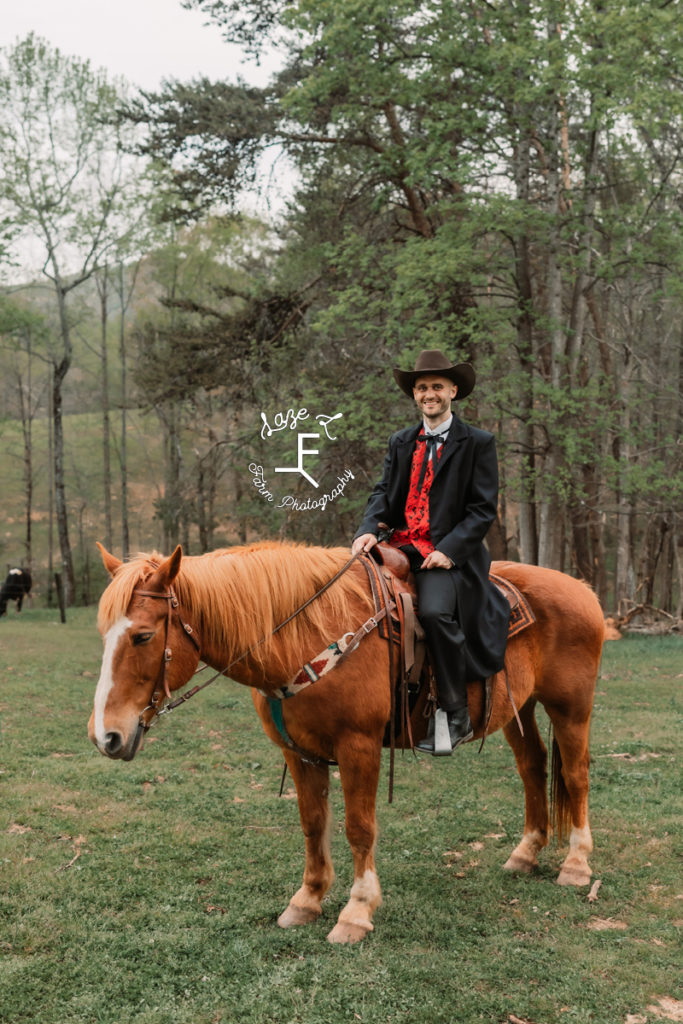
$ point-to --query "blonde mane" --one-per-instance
(239, 595)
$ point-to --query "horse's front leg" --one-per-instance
(359, 764)
(312, 786)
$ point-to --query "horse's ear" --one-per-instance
(111, 564)
(169, 569)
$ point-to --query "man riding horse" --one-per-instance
(439, 495)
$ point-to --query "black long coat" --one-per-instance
(462, 505)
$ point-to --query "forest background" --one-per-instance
(498, 180)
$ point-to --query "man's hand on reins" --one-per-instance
(364, 543)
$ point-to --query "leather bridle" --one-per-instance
(161, 686)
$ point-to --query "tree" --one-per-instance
(23, 333)
(499, 180)
(63, 178)
(192, 353)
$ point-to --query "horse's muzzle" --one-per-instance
(114, 746)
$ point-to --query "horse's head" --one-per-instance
(149, 651)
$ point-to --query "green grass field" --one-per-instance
(148, 892)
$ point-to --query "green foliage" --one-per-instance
(499, 181)
(17, 319)
(233, 121)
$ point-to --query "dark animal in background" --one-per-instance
(15, 588)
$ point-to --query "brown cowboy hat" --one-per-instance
(431, 361)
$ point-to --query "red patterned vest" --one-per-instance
(416, 531)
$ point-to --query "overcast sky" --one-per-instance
(143, 40)
(146, 41)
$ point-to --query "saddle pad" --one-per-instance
(521, 614)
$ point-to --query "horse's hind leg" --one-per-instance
(312, 786)
(571, 759)
(359, 764)
(531, 757)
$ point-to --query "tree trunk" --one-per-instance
(171, 512)
(678, 553)
(125, 528)
(598, 577)
(60, 371)
(205, 498)
(497, 538)
(60, 368)
(102, 288)
(581, 538)
(551, 518)
(124, 300)
(653, 543)
(50, 491)
(528, 538)
(551, 530)
(24, 391)
(624, 580)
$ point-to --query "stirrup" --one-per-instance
(442, 736)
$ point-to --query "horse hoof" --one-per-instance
(346, 932)
(575, 870)
(294, 916)
(519, 866)
(574, 876)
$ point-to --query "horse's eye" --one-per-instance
(142, 638)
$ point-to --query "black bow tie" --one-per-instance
(431, 441)
(433, 438)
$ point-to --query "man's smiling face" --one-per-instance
(433, 395)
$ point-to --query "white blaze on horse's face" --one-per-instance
(111, 735)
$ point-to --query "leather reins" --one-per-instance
(190, 632)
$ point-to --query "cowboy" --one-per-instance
(439, 495)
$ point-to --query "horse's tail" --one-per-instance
(560, 807)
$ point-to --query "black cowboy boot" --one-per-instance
(459, 731)
(459, 727)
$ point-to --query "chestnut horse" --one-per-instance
(160, 616)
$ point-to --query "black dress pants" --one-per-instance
(437, 611)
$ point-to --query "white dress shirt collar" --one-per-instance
(442, 427)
